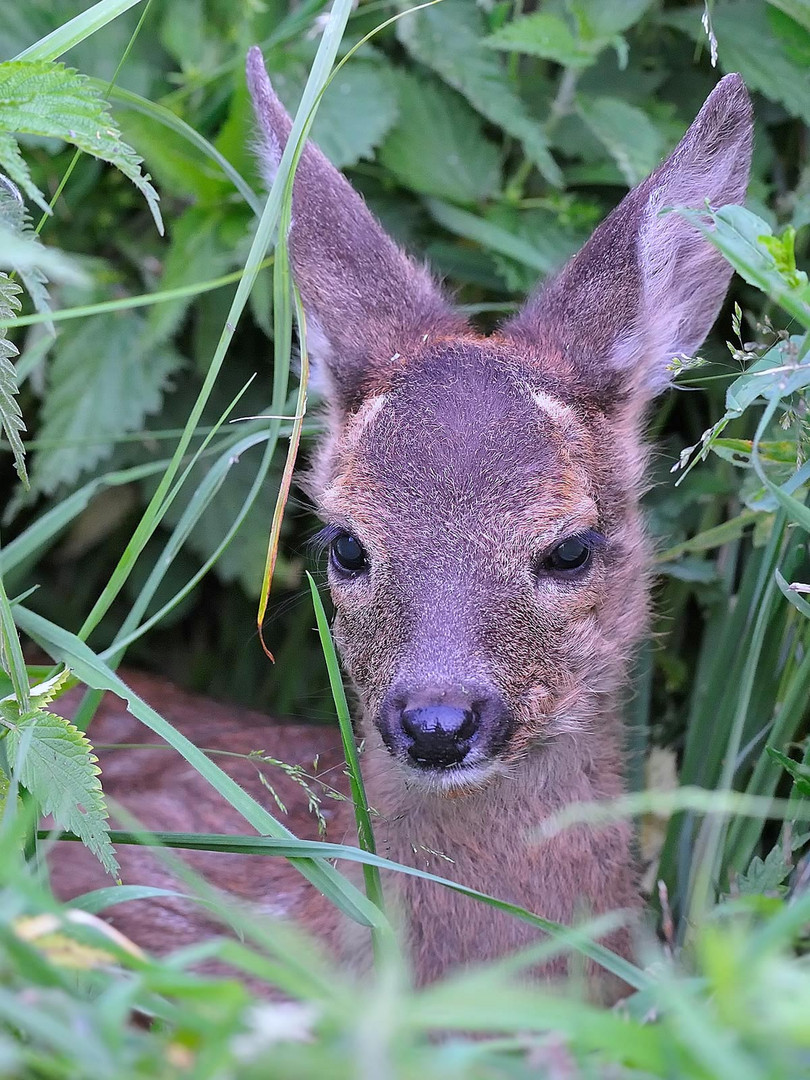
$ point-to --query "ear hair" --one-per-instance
(647, 286)
(365, 299)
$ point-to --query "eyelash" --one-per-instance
(319, 543)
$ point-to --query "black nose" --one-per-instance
(439, 735)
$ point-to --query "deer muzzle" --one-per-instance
(441, 729)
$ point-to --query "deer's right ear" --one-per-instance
(365, 300)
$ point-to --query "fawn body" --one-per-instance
(487, 557)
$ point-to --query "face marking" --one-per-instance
(555, 410)
(364, 417)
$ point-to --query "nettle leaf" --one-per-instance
(627, 133)
(59, 769)
(763, 45)
(46, 98)
(765, 876)
(22, 252)
(105, 378)
(45, 692)
(10, 414)
(355, 114)
(604, 19)
(438, 146)
(548, 36)
(448, 39)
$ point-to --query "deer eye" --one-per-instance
(348, 554)
(568, 557)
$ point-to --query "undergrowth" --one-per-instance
(490, 138)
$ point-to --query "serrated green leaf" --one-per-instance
(798, 771)
(604, 19)
(739, 235)
(60, 770)
(627, 133)
(45, 98)
(10, 413)
(104, 379)
(548, 36)
(355, 114)
(438, 146)
(758, 47)
(765, 875)
(22, 252)
(448, 39)
(43, 693)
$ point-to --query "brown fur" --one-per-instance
(458, 462)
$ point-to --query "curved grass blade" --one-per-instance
(76, 30)
(365, 833)
(87, 667)
(294, 850)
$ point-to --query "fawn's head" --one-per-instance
(487, 561)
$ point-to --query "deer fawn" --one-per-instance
(487, 558)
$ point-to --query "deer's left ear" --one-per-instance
(647, 287)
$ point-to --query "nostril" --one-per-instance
(438, 720)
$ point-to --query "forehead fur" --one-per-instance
(466, 428)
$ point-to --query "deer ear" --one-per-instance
(365, 300)
(647, 287)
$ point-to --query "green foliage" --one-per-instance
(438, 146)
(448, 38)
(106, 377)
(627, 133)
(44, 98)
(491, 142)
(55, 763)
(355, 116)
(10, 413)
(768, 48)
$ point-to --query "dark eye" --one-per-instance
(571, 555)
(348, 554)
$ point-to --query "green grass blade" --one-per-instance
(11, 655)
(76, 30)
(365, 833)
(296, 850)
(87, 667)
(161, 115)
(127, 302)
(324, 59)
